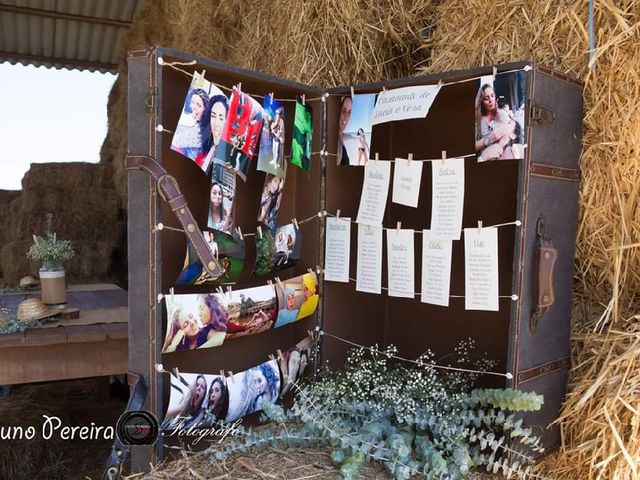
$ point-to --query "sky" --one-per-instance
(49, 115)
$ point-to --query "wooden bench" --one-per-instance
(93, 345)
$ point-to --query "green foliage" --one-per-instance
(265, 248)
(417, 421)
(48, 249)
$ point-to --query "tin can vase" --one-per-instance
(53, 284)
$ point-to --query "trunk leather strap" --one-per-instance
(169, 190)
(120, 451)
(545, 295)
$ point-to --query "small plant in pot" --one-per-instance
(50, 252)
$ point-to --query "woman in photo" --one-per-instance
(495, 130)
(346, 105)
(289, 314)
(213, 121)
(303, 363)
(259, 384)
(214, 319)
(277, 137)
(218, 398)
(188, 138)
(282, 250)
(219, 218)
(363, 148)
(211, 243)
(270, 203)
(310, 302)
(183, 332)
(188, 412)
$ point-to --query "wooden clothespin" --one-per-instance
(172, 292)
(311, 333)
(239, 86)
(352, 92)
(444, 156)
(271, 357)
(269, 282)
(377, 157)
(310, 270)
(279, 353)
(338, 214)
(295, 223)
(202, 74)
(479, 227)
(160, 297)
(440, 83)
(230, 373)
(259, 229)
(304, 100)
(229, 290)
(176, 372)
(222, 374)
(239, 230)
(279, 282)
(495, 72)
(220, 290)
(409, 159)
(271, 97)
(398, 226)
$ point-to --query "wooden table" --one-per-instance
(93, 345)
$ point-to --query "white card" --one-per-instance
(447, 199)
(400, 266)
(375, 190)
(436, 270)
(404, 103)
(481, 269)
(337, 249)
(369, 274)
(406, 182)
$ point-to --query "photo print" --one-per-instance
(240, 133)
(228, 250)
(272, 138)
(500, 117)
(200, 123)
(294, 361)
(196, 400)
(302, 136)
(222, 200)
(195, 321)
(251, 310)
(248, 390)
(270, 200)
(277, 250)
(297, 298)
(354, 129)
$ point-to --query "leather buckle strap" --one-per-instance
(546, 258)
(169, 191)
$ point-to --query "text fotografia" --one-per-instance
(52, 427)
(219, 431)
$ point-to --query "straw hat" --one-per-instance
(34, 309)
(29, 281)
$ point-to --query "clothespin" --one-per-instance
(230, 373)
(310, 270)
(269, 282)
(259, 232)
(160, 297)
(311, 333)
(495, 72)
(352, 92)
(479, 227)
(295, 223)
(409, 159)
(239, 86)
(338, 214)
(279, 353)
(220, 290)
(304, 100)
(440, 83)
(222, 374)
(176, 372)
(271, 357)
(271, 96)
(444, 156)
(229, 292)
(398, 226)
(377, 158)
(202, 74)
(239, 230)
(172, 292)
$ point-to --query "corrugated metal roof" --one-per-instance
(74, 34)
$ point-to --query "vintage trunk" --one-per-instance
(540, 191)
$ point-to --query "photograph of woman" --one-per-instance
(310, 302)
(214, 320)
(293, 363)
(182, 330)
(249, 389)
(288, 247)
(270, 201)
(500, 132)
(194, 125)
(277, 138)
(219, 217)
(213, 121)
(354, 129)
(186, 401)
(217, 405)
(289, 312)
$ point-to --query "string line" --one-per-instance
(416, 362)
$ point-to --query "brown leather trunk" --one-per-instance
(528, 336)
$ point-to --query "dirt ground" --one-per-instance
(75, 403)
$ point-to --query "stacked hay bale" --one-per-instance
(602, 414)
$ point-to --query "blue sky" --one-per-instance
(49, 115)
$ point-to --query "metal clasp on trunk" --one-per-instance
(541, 116)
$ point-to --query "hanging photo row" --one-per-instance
(205, 320)
(201, 400)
